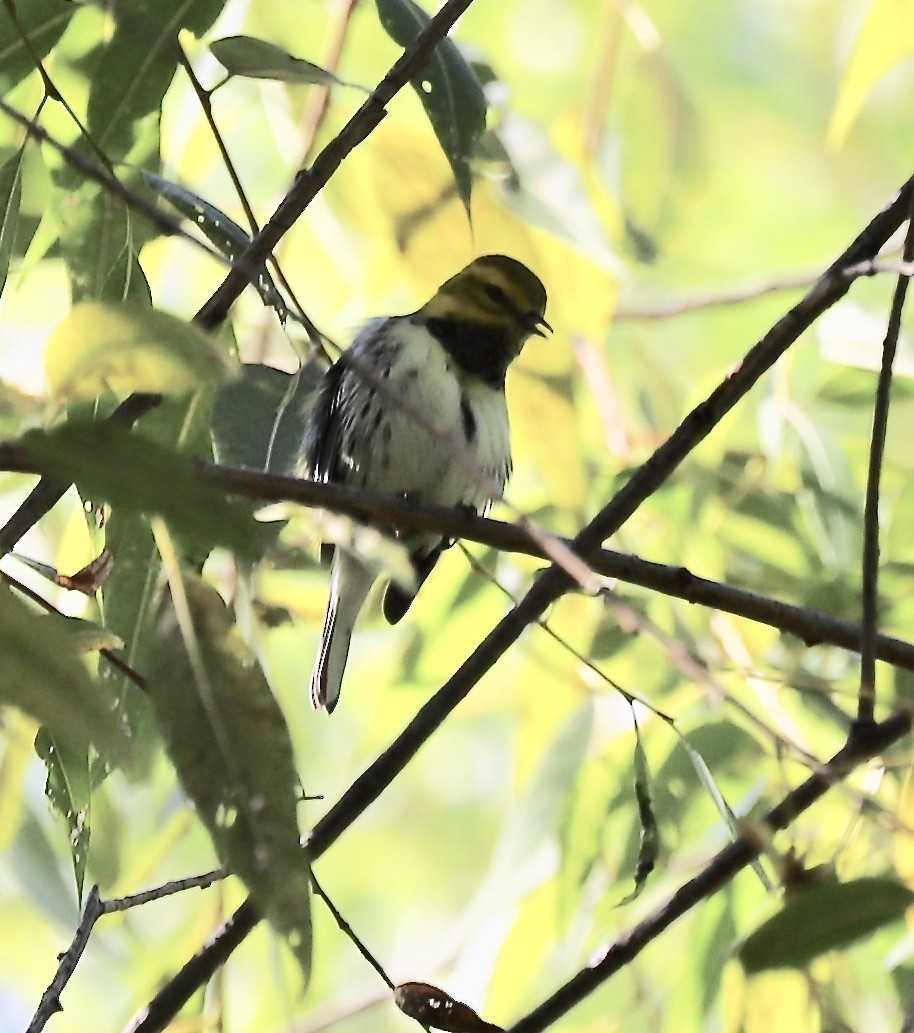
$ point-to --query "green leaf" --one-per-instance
(259, 418)
(129, 347)
(448, 88)
(226, 236)
(231, 748)
(141, 476)
(135, 69)
(42, 22)
(10, 198)
(68, 791)
(649, 845)
(100, 239)
(257, 59)
(822, 918)
(43, 674)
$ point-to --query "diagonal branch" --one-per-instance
(716, 874)
(548, 587)
(47, 493)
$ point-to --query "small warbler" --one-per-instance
(416, 407)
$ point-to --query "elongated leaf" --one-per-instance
(226, 236)
(42, 23)
(127, 348)
(68, 792)
(448, 88)
(141, 476)
(257, 59)
(823, 918)
(259, 418)
(231, 748)
(10, 198)
(43, 674)
(649, 845)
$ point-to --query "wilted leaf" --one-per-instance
(259, 417)
(822, 918)
(257, 59)
(448, 89)
(129, 347)
(128, 470)
(229, 743)
(43, 674)
(650, 834)
(91, 577)
(433, 1007)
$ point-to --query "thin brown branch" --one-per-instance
(548, 587)
(866, 702)
(810, 626)
(715, 875)
(309, 183)
(93, 909)
(350, 933)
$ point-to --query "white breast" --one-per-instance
(448, 441)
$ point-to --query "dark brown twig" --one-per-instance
(832, 286)
(866, 702)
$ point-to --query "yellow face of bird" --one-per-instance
(494, 291)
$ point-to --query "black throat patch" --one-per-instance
(478, 349)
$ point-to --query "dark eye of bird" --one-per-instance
(495, 294)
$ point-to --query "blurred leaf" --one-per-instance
(135, 69)
(822, 918)
(10, 197)
(68, 791)
(43, 23)
(230, 745)
(259, 417)
(539, 814)
(649, 845)
(128, 347)
(18, 753)
(140, 476)
(886, 39)
(43, 674)
(226, 236)
(257, 59)
(430, 1006)
(100, 240)
(448, 89)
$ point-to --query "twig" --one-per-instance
(810, 626)
(866, 701)
(116, 661)
(93, 909)
(350, 933)
(548, 587)
(716, 874)
(47, 493)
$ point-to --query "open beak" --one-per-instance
(536, 324)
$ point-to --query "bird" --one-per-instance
(416, 407)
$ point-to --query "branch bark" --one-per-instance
(547, 588)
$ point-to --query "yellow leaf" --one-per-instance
(887, 37)
(129, 347)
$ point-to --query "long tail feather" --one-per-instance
(350, 582)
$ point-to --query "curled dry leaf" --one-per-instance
(433, 1007)
(92, 576)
